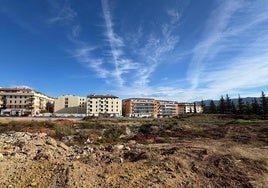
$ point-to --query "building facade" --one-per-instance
(167, 108)
(104, 105)
(189, 108)
(140, 107)
(70, 104)
(23, 101)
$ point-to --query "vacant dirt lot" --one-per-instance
(191, 151)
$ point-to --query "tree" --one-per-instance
(234, 111)
(221, 106)
(248, 108)
(255, 106)
(212, 108)
(228, 105)
(240, 105)
(49, 107)
(203, 106)
(195, 108)
(264, 107)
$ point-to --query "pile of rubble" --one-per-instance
(33, 146)
(37, 146)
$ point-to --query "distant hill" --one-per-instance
(245, 100)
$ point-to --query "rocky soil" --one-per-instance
(234, 155)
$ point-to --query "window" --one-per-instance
(10, 101)
(20, 101)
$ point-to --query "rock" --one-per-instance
(34, 183)
(51, 142)
(128, 131)
(119, 146)
(132, 142)
(63, 146)
(43, 155)
(39, 143)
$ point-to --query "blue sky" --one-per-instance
(177, 49)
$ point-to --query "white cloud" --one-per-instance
(84, 55)
(175, 15)
(64, 14)
(21, 86)
(122, 64)
(231, 29)
(225, 31)
(76, 31)
(216, 25)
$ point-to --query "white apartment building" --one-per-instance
(189, 108)
(23, 101)
(104, 105)
(70, 104)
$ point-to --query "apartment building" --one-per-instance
(140, 107)
(167, 108)
(104, 105)
(189, 108)
(23, 101)
(70, 104)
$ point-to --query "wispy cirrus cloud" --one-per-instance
(85, 55)
(175, 15)
(127, 65)
(156, 50)
(215, 27)
(225, 60)
(122, 64)
(63, 13)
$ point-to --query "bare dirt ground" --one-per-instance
(193, 151)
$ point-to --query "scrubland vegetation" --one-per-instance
(196, 150)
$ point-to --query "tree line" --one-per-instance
(227, 106)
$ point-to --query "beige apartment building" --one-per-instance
(70, 104)
(23, 101)
(140, 107)
(104, 105)
(167, 108)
